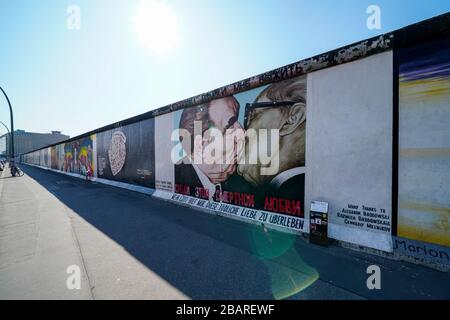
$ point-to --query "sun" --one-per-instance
(156, 26)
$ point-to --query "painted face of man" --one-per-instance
(260, 118)
(288, 118)
(223, 115)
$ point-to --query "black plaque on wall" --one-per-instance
(318, 223)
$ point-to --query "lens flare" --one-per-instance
(288, 272)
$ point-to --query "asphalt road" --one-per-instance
(129, 245)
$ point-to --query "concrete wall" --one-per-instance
(372, 128)
(349, 148)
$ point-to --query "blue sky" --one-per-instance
(79, 80)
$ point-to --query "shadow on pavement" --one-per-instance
(210, 257)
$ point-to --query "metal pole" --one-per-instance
(11, 134)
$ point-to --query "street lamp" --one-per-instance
(11, 134)
(6, 128)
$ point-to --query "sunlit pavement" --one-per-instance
(131, 246)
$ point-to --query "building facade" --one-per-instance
(27, 141)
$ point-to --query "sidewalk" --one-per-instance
(133, 246)
(36, 243)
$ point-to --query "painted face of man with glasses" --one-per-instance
(280, 106)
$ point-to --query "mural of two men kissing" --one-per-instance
(276, 115)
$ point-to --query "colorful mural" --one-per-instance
(244, 182)
(79, 156)
(424, 143)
